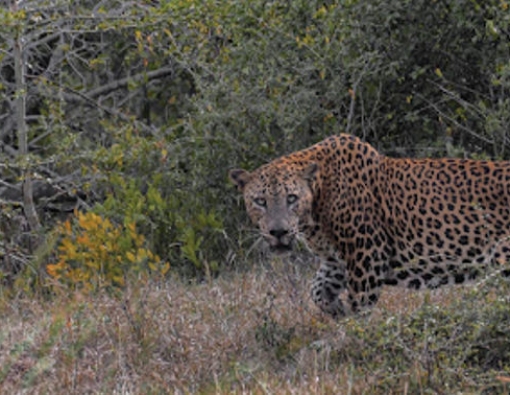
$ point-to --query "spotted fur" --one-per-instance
(376, 220)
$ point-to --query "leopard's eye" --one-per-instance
(261, 202)
(291, 199)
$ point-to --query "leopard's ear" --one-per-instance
(311, 171)
(239, 177)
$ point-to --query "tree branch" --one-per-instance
(118, 84)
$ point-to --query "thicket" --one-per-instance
(134, 111)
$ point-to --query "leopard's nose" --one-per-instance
(278, 233)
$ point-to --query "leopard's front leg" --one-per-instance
(365, 280)
(329, 282)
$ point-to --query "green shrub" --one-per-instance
(440, 344)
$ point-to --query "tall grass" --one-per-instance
(256, 332)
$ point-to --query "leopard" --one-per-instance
(374, 220)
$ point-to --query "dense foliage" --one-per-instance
(136, 110)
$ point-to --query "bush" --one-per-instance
(94, 254)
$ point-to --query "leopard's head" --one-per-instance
(279, 198)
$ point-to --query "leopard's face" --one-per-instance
(278, 199)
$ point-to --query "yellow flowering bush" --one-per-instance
(94, 253)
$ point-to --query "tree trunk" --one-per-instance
(21, 93)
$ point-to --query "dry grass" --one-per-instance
(255, 332)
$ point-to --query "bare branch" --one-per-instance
(122, 83)
(454, 122)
